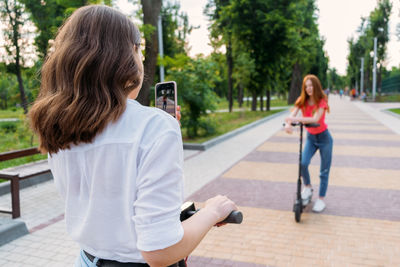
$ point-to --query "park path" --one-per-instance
(258, 170)
(361, 224)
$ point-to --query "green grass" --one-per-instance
(395, 110)
(226, 122)
(388, 98)
(15, 136)
(11, 113)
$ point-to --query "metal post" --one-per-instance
(362, 76)
(357, 92)
(374, 69)
(160, 47)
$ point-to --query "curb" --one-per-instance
(391, 113)
(11, 230)
(206, 145)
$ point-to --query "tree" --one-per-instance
(175, 29)
(12, 14)
(7, 83)
(307, 51)
(151, 10)
(221, 28)
(376, 25)
(335, 80)
(243, 68)
(196, 79)
(379, 27)
(267, 30)
(49, 15)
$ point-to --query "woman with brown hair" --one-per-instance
(313, 104)
(117, 164)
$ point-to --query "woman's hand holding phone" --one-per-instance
(178, 114)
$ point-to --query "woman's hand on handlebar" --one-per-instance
(221, 207)
(288, 125)
(288, 128)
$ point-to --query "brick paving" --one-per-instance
(359, 227)
(258, 170)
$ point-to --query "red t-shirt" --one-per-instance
(308, 111)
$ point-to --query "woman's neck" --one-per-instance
(311, 101)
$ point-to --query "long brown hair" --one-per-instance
(92, 67)
(318, 94)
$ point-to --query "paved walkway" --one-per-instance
(258, 170)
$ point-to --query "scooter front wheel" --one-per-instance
(297, 211)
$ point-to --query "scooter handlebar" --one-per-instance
(307, 125)
(311, 125)
(234, 217)
(188, 209)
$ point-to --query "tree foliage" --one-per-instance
(278, 39)
(196, 79)
(12, 14)
(49, 15)
(376, 25)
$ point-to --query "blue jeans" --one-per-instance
(83, 261)
(324, 142)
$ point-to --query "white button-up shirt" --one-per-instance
(124, 190)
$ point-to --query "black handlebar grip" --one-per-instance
(235, 217)
(293, 124)
(311, 125)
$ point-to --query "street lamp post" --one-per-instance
(160, 48)
(374, 69)
(362, 76)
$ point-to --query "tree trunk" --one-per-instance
(15, 21)
(295, 84)
(254, 101)
(151, 10)
(240, 95)
(261, 101)
(229, 60)
(268, 101)
(24, 103)
(21, 90)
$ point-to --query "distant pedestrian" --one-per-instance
(341, 93)
(363, 96)
(313, 104)
(165, 98)
(353, 93)
(326, 91)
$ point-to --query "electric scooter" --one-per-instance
(298, 204)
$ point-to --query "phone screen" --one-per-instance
(166, 97)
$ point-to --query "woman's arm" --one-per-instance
(293, 114)
(289, 120)
(195, 228)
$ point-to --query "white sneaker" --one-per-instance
(306, 195)
(319, 205)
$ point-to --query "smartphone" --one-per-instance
(166, 97)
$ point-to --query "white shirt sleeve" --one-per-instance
(159, 194)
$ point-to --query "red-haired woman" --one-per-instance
(313, 104)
